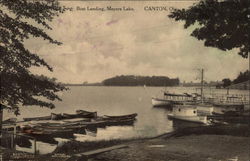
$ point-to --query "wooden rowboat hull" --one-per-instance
(160, 102)
(86, 114)
(124, 122)
(37, 118)
(130, 116)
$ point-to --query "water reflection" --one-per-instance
(108, 133)
(179, 124)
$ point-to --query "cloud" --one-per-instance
(98, 45)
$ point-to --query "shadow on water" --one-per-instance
(163, 107)
(23, 142)
(179, 124)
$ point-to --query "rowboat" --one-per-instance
(9, 121)
(160, 102)
(95, 124)
(55, 116)
(187, 113)
(37, 118)
(76, 120)
(86, 114)
(121, 122)
(51, 133)
(75, 129)
(79, 115)
(70, 116)
(130, 116)
(63, 127)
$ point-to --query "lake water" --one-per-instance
(114, 101)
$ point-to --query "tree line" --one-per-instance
(242, 77)
(131, 80)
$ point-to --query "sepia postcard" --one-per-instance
(114, 80)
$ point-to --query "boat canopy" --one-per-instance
(178, 95)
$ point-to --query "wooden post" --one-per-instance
(14, 131)
(14, 137)
(202, 72)
(35, 146)
(1, 120)
(11, 140)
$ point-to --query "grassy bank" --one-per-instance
(231, 130)
(209, 143)
(212, 143)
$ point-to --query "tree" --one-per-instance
(226, 82)
(18, 85)
(223, 24)
(242, 77)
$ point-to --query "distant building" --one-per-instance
(198, 84)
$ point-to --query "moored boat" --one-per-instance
(129, 116)
(79, 115)
(221, 109)
(37, 118)
(204, 109)
(55, 116)
(40, 131)
(187, 113)
(86, 114)
(70, 116)
(229, 101)
(121, 122)
(10, 121)
(171, 99)
(160, 102)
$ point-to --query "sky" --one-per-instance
(101, 44)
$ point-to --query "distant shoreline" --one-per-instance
(130, 85)
(90, 85)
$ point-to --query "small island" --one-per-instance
(132, 80)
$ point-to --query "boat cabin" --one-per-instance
(180, 110)
(205, 109)
(230, 100)
(178, 97)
